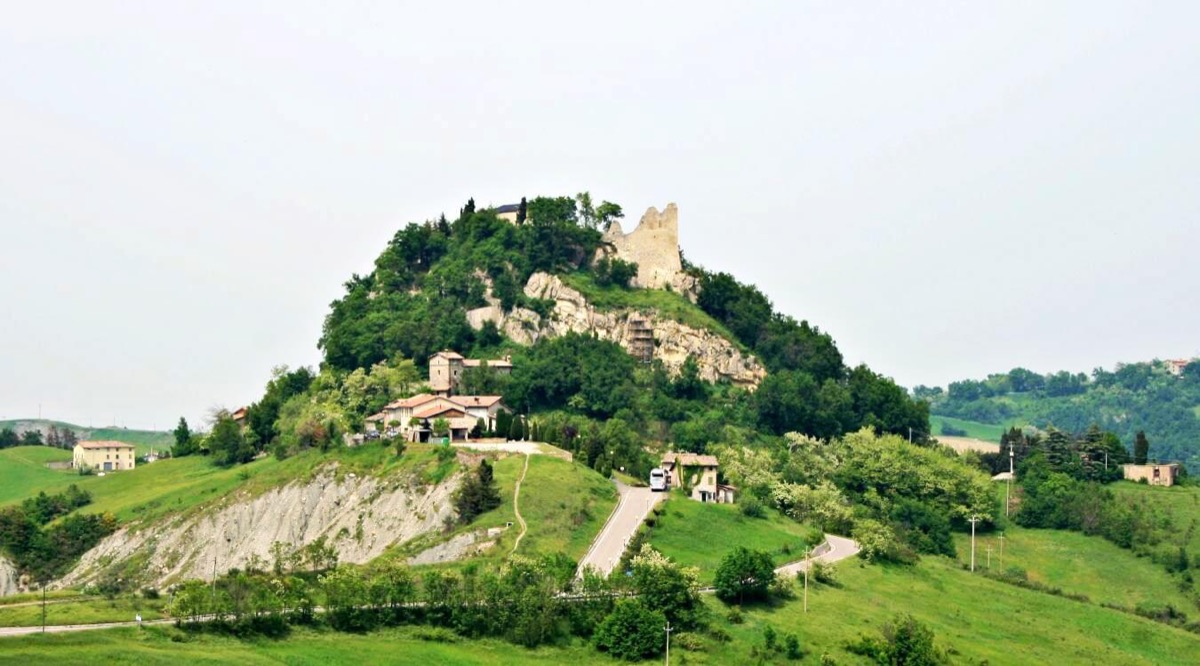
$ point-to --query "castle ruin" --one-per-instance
(653, 245)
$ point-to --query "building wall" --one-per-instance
(117, 458)
(1166, 474)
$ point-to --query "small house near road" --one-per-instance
(1165, 474)
(697, 475)
(103, 456)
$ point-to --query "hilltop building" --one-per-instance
(413, 418)
(1175, 366)
(1165, 474)
(446, 369)
(103, 456)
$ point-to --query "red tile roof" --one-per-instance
(690, 459)
(477, 400)
(415, 401)
(436, 410)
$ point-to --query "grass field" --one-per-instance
(986, 431)
(86, 610)
(23, 472)
(1078, 564)
(975, 618)
(686, 531)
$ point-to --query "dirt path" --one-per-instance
(61, 628)
(517, 508)
(632, 507)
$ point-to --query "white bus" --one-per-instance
(658, 480)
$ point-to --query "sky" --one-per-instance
(949, 189)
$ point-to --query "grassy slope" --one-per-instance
(1079, 564)
(563, 503)
(985, 431)
(88, 610)
(23, 472)
(669, 304)
(1183, 503)
(978, 619)
(687, 532)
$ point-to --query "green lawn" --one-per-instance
(700, 534)
(87, 610)
(986, 431)
(168, 646)
(1079, 564)
(23, 472)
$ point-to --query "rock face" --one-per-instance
(653, 245)
(8, 578)
(360, 517)
(673, 342)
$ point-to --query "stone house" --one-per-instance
(103, 456)
(696, 474)
(1165, 474)
(446, 369)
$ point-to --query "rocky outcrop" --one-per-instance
(674, 342)
(359, 516)
(8, 578)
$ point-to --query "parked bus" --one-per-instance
(658, 480)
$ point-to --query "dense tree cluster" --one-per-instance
(43, 547)
(59, 438)
(1135, 397)
(478, 494)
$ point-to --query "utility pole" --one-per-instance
(1008, 485)
(807, 565)
(989, 557)
(1002, 551)
(43, 607)
(973, 519)
(668, 629)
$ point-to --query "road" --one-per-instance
(839, 548)
(632, 508)
(60, 628)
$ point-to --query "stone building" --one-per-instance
(103, 456)
(1165, 474)
(446, 368)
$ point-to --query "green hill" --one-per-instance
(1134, 397)
(143, 440)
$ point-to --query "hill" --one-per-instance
(143, 440)
(1159, 398)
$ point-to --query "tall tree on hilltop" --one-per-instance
(1141, 448)
(522, 211)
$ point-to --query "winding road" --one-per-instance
(834, 548)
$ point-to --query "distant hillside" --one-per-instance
(144, 440)
(1159, 398)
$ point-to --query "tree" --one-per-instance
(631, 632)
(9, 438)
(1141, 448)
(744, 575)
(478, 493)
(184, 444)
(441, 427)
(227, 443)
(516, 430)
(607, 213)
(673, 589)
(31, 438)
(522, 211)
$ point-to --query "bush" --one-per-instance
(744, 575)
(824, 573)
(904, 641)
(631, 632)
(735, 615)
(791, 647)
(752, 507)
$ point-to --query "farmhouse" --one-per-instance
(413, 418)
(696, 474)
(103, 456)
(446, 369)
(1164, 474)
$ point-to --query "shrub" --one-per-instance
(752, 507)
(791, 647)
(735, 615)
(631, 632)
(744, 575)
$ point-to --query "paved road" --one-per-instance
(839, 548)
(632, 507)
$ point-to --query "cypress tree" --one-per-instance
(1141, 448)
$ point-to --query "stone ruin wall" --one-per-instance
(653, 245)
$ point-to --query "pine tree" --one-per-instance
(1141, 448)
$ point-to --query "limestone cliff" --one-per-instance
(674, 342)
(359, 516)
(8, 578)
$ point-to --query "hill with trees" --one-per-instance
(1135, 397)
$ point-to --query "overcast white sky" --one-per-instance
(949, 189)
